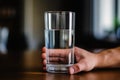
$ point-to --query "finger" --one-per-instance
(58, 52)
(62, 55)
(58, 60)
(44, 68)
(44, 49)
(43, 55)
(44, 62)
(78, 67)
(55, 58)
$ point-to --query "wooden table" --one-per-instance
(28, 66)
(113, 74)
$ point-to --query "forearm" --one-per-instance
(108, 58)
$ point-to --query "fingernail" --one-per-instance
(71, 70)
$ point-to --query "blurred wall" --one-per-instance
(34, 20)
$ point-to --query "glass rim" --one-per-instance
(59, 12)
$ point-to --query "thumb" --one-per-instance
(81, 66)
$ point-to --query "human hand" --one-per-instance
(86, 60)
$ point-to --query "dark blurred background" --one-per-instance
(22, 28)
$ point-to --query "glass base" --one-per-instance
(62, 68)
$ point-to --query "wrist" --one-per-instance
(105, 59)
(108, 58)
(98, 62)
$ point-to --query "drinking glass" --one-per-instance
(59, 40)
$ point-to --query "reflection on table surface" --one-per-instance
(113, 74)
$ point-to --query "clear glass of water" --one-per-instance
(59, 40)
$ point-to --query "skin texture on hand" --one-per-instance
(86, 61)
